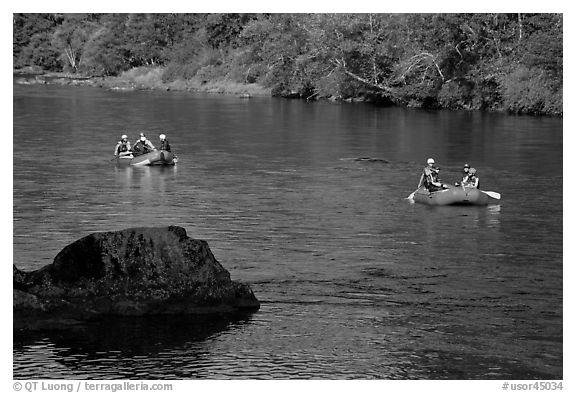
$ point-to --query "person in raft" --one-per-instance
(164, 145)
(464, 174)
(430, 178)
(472, 180)
(143, 146)
(122, 147)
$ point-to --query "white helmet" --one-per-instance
(430, 161)
(162, 136)
(124, 136)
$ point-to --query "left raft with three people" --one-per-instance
(143, 152)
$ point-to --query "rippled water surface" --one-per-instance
(306, 203)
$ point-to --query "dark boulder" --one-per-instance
(133, 272)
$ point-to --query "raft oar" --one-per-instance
(411, 196)
(123, 154)
(492, 194)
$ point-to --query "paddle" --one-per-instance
(411, 196)
(492, 194)
(127, 154)
(122, 154)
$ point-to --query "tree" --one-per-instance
(32, 34)
(276, 43)
(71, 36)
(223, 30)
(104, 52)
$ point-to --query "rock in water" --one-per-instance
(137, 271)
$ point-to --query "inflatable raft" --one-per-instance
(456, 196)
(156, 157)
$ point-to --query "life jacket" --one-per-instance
(469, 180)
(430, 176)
(165, 145)
(140, 148)
(123, 147)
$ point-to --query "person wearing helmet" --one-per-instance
(429, 178)
(122, 147)
(464, 173)
(471, 180)
(164, 145)
(143, 146)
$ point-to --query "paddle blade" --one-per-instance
(411, 196)
(492, 194)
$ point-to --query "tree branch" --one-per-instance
(417, 60)
(71, 55)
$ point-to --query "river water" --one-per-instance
(306, 203)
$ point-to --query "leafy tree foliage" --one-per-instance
(32, 41)
(461, 61)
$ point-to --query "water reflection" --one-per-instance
(493, 216)
(478, 218)
(137, 345)
(144, 186)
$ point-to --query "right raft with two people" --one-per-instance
(432, 192)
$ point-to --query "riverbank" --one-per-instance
(146, 78)
(141, 79)
(151, 78)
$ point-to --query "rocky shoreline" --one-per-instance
(148, 79)
(151, 79)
